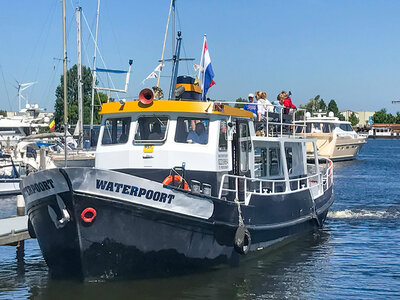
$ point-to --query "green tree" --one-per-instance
(390, 119)
(3, 113)
(312, 105)
(332, 106)
(398, 118)
(240, 102)
(72, 98)
(353, 119)
(322, 105)
(380, 116)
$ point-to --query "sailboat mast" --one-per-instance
(94, 74)
(165, 39)
(79, 66)
(65, 83)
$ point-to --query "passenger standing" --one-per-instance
(264, 105)
(278, 104)
(251, 106)
(287, 102)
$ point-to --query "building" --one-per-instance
(365, 118)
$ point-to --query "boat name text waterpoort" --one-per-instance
(38, 187)
(133, 191)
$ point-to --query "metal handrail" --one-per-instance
(303, 183)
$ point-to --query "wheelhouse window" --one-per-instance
(316, 127)
(151, 129)
(222, 143)
(116, 131)
(192, 131)
(346, 127)
(325, 128)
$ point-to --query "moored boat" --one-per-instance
(336, 139)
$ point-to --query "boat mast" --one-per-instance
(65, 84)
(94, 75)
(79, 66)
(175, 66)
(165, 39)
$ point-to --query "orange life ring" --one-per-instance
(88, 214)
(178, 179)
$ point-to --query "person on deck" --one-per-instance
(264, 105)
(287, 102)
(251, 106)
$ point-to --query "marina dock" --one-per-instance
(13, 230)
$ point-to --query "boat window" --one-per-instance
(116, 131)
(245, 146)
(325, 128)
(151, 129)
(289, 159)
(191, 130)
(267, 160)
(346, 127)
(332, 126)
(222, 144)
(308, 128)
(316, 127)
(274, 161)
(299, 129)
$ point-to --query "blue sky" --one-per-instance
(344, 50)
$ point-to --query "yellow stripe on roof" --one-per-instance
(173, 106)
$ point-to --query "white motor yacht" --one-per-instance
(336, 139)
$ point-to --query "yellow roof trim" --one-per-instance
(173, 106)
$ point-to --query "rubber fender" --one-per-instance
(242, 240)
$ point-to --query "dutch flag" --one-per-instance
(208, 73)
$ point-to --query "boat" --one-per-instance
(384, 131)
(179, 185)
(27, 121)
(336, 139)
(161, 204)
(9, 176)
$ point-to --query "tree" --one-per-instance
(312, 105)
(380, 116)
(322, 105)
(72, 98)
(240, 102)
(353, 119)
(332, 106)
(3, 113)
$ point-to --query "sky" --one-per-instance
(346, 50)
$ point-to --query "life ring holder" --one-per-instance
(176, 178)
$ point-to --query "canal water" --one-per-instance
(355, 256)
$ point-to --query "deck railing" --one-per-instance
(244, 187)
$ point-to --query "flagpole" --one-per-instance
(202, 57)
(202, 66)
(165, 39)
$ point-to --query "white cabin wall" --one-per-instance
(164, 156)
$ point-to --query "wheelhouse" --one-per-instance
(213, 146)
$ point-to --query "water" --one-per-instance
(355, 256)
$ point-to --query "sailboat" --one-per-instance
(178, 186)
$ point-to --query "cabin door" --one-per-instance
(241, 147)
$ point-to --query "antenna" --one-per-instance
(21, 87)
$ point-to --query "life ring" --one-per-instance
(88, 214)
(168, 180)
(242, 241)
